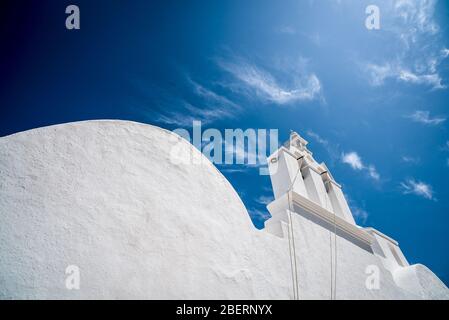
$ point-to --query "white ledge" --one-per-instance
(372, 230)
(331, 218)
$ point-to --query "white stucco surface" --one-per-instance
(106, 197)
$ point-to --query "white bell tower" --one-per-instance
(293, 169)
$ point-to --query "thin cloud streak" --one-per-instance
(409, 159)
(264, 200)
(317, 138)
(411, 186)
(360, 214)
(255, 213)
(379, 73)
(306, 87)
(425, 118)
(216, 107)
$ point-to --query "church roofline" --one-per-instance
(372, 230)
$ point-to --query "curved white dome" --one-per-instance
(108, 197)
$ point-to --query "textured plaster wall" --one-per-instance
(105, 196)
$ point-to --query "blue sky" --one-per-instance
(372, 103)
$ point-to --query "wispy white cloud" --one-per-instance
(212, 98)
(360, 215)
(302, 87)
(419, 50)
(214, 107)
(411, 186)
(425, 118)
(410, 159)
(259, 214)
(286, 30)
(373, 172)
(432, 79)
(353, 159)
(188, 113)
(355, 162)
(444, 53)
(378, 73)
(175, 118)
(264, 200)
(333, 149)
(317, 138)
(417, 14)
